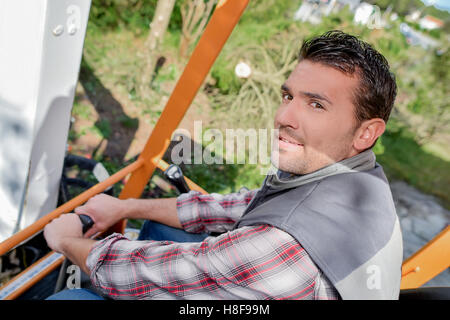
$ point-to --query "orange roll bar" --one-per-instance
(428, 262)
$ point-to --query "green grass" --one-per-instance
(81, 110)
(102, 128)
(404, 159)
(128, 122)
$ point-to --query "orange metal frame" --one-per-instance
(422, 266)
(428, 262)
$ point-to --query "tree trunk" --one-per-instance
(158, 28)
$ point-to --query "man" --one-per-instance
(323, 227)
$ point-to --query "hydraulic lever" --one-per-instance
(174, 174)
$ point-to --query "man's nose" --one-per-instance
(287, 115)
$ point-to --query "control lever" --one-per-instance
(174, 174)
(86, 221)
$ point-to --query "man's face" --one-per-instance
(316, 119)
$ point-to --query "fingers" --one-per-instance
(79, 210)
(92, 231)
(92, 204)
(100, 208)
(64, 226)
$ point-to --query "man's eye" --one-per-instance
(316, 105)
(286, 96)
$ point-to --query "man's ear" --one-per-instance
(368, 132)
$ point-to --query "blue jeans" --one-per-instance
(157, 231)
(150, 231)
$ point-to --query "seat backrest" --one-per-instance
(426, 293)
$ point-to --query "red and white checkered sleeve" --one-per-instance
(252, 262)
(211, 212)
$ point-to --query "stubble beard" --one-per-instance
(296, 166)
(303, 164)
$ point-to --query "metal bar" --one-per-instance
(428, 262)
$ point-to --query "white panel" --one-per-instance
(60, 66)
(21, 28)
(41, 43)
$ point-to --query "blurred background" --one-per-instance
(135, 50)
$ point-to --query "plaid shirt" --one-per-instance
(252, 262)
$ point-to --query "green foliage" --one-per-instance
(378, 148)
(127, 122)
(133, 14)
(226, 80)
(224, 178)
(81, 110)
(110, 14)
(419, 103)
(261, 21)
(103, 128)
(264, 11)
(73, 135)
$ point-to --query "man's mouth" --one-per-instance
(288, 142)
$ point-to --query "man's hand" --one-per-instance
(104, 210)
(65, 235)
(61, 229)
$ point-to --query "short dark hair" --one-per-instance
(375, 96)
